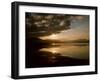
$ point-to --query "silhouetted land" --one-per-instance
(36, 58)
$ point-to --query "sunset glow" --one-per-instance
(56, 40)
(53, 51)
(53, 36)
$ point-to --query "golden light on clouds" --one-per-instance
(79, 30)
(53, 51)
(53, 36)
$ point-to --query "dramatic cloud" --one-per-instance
(46, 24)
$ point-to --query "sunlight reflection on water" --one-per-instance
(74, 50)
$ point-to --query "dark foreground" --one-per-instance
(36, 58)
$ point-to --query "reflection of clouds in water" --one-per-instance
(52, 59)
(54, 50)
(74, 51)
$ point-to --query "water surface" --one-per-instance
(58, 54)
(74, 50)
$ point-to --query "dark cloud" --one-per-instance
(46, 24)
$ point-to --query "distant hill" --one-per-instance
(79, 41)
(40, 42)
(69, 41)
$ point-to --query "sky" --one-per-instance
(79, 29)
(57, 26)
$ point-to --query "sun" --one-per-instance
(53, 51)
(53, 36)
